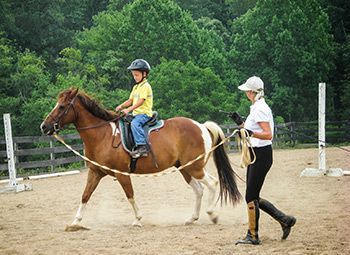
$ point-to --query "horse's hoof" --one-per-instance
(213, 217)
(137, 223)
(75, 227)
(190, 221)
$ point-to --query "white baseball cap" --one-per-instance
(254, 83)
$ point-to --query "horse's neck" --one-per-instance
(91, 128)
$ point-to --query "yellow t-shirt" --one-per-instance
(142, 90)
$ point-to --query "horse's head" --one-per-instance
(63, 113)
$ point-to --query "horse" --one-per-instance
(179, 141)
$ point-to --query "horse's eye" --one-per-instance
(61, 107)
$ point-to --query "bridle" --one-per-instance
(57, 127)
(57, 120)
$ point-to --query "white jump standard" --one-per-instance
(12, 186)
(322, 170)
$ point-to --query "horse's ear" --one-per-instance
(73, 93)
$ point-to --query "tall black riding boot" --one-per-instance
(286, 221)
(252, 236)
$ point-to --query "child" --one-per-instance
(140, 103)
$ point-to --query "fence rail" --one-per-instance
(47, 152)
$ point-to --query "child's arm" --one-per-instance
(133, 107)
(123, 105)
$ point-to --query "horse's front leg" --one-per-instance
(94, 177)
(125, 181)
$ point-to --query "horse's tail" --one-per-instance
(227, 178)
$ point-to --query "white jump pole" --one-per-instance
(322, 127)
(322, 169)
(12, 185)
(9, 151)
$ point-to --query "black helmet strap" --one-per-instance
(143, 76)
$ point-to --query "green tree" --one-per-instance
(188, 90)
(24, 80)
(149, 29)
(344, 112)
(292, 53)
(213, 9)
(237, 8)
(45, 26)
(338, 12)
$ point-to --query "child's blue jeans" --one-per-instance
(137, 128)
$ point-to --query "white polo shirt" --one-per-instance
(259, 112)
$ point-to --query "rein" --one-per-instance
(57, 127)
(244, 139)
(105, 123)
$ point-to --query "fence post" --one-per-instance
(347, 129)
(229, 142)
(276, 137)
(15, 145)
(52, 155)
(292, 132)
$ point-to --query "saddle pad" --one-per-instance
(123, 133)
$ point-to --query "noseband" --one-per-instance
(56, 124)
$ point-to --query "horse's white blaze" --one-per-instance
(115, 131)
(206, 138)
(79, 215)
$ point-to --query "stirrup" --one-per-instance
(139, 153)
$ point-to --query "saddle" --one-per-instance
(127, 138)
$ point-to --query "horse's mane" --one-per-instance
(94, 107)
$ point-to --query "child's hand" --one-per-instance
(125, 111)
(118, 108)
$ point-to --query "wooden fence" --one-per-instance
(40, 151)
(292, 133)
(32, 152)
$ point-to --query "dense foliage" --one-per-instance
(200, 51)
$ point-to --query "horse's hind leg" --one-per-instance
(211, 183)
(94, 177)
(125, 181)
(198, 191)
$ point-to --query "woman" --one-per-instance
(259, 125)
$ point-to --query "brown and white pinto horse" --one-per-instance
(178, 142)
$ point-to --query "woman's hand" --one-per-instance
(236, 118)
